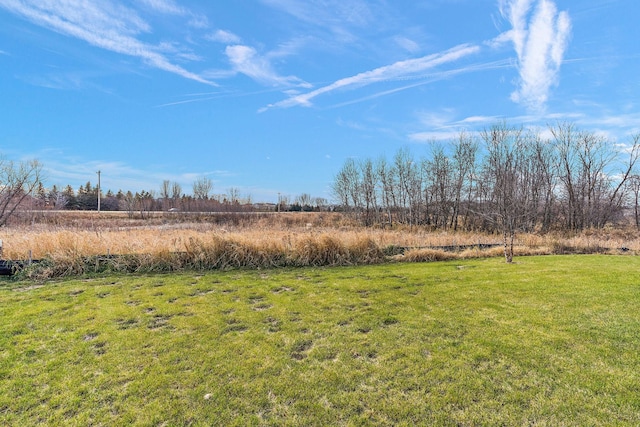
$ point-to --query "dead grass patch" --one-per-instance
(87, 242)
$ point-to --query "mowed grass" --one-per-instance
(545, 341)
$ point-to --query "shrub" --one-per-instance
(428, 255)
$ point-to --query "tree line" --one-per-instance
(503, 179)
(22, 190)
(169, 197)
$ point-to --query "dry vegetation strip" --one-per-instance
(78, 243)
(89, 234)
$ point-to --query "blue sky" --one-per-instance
(271, 96)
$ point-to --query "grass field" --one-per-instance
(550, 340)
(65, 235)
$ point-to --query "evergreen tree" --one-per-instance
(70, 198)
(41, 195)
(87, 198)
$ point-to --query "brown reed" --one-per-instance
(81, 243)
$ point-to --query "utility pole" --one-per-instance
(98, 190)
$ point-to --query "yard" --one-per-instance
(548, 340)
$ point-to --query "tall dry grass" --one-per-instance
(207, 252)
(100, 235)
(86, 242)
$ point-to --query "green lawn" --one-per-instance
(545, 341)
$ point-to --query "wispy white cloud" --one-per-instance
(407, 44)
(339, 16)
(178, 51)
(357, 12)
(186, 101)
(290, 47)
(247, 61)
(114, 175)
(103, 24)
(62, 170)
(63, 80)
(170, 7)
(351, 124)
(223, 36)
(436, 119)
(622, 124)
(199, 21)
(443, 126)
(478, 120)
(540, 36)
(207, 96)
(398, 70)
(165, 6)
(425, 79)
(218, 74)
(448, 134)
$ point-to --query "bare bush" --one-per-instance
(17, 182)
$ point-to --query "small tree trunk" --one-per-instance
(507, 238)
(511, 239)
(637, 212)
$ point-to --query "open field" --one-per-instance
(75, 243)
(90, 233)
(545, 341)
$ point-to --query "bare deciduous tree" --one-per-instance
(17, 181)
(346, 186)
(176, 193)
(165, 193)
(60, 201)
(593, 192)
(202, 188)
(320, 202)
(145, 200)
(464, 164)
(527, 183)
(128, 203)
(616, 199)
(634, 184)
(233, 197)
(439, 172)
(504, 169)
(386, 176)
(409, 182)
(304, 200)
(368, 187)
